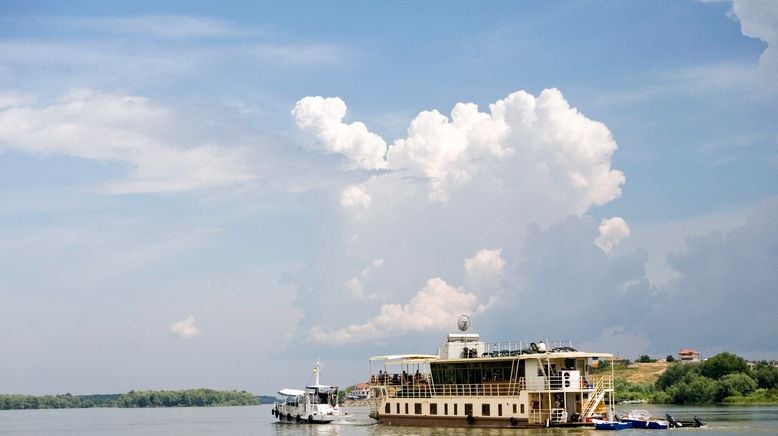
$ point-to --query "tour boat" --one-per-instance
(505, 384)
(317, 404)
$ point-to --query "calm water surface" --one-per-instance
(257, 420)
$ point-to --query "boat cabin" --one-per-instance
(505, 384)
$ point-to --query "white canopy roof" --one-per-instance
(403, 359)
(291, 392)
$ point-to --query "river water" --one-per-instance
(257, 420)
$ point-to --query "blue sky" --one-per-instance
(194, 194)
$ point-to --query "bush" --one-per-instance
(766, 375)
(734, 385)
(692, 389)
(675, 373)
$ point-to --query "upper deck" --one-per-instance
(465, 366)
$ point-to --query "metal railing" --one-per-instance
(425, 389)
(560, 383)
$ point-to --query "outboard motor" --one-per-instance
(672, 422)
(698, 422)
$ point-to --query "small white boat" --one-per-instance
(317, 404)
(640, 418)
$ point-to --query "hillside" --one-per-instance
(640, 372)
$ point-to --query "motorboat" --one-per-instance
(640, 418)
(601, 424)
(316, 404)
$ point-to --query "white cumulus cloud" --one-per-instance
(431, 309)
(323, 118)
(529, 144)
(356, 197)
(484, 269)
(612, 231)
(185, 329)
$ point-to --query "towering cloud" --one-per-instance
(323, 117)
(525, 143)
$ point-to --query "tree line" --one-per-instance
(723, 378)
(132, 399)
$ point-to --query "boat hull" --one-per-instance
(463, 421)
(650, 425)
(611, 425)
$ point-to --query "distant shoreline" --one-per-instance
(135, 399)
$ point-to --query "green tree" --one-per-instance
(722, 364)
(737, 384)
(670, 358)
(692, 389)
(766, 375)
(675, 373)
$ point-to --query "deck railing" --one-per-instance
(560, 383)
(424, 389)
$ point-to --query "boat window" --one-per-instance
(445, 409)
(433, 408)
(514, 408)
(406, 408)
(455, 409)
(417, 408)
(484, 410)
(473, 372)
(469, 409)
(522, 409)
(388, 408)
(499, 410)
(398, 408)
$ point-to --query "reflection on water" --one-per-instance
(257, 420)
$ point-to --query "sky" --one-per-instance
(201, 194)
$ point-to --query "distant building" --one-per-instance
(361, 391)
(687, 355)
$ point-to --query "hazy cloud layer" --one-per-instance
(150, 139)
(759, 19)
(733, 276)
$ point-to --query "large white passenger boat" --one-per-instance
(503, 384)
(317, 404)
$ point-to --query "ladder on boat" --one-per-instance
(596, 397)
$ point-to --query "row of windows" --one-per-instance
(417, 409)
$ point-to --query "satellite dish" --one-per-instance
(463, 323)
